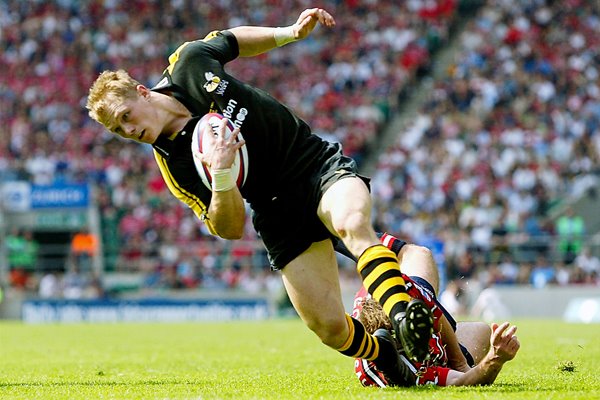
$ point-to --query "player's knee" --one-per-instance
(418, 261)
(351, 224)
(332, 331)
(485, 332)
(413, 250)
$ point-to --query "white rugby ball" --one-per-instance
(239, 169)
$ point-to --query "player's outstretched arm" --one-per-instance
(254, 40)
(504, 347)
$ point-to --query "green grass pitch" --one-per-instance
(279, 359)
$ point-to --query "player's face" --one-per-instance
(137, 120)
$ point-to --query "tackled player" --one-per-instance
(460, 354)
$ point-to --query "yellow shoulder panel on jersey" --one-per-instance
(174, 57)
(191, 200)
(211, 35)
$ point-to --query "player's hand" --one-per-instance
(308, 20)
(220, 149)
(505, 344)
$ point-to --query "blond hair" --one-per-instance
(107, 93)
(373, 317)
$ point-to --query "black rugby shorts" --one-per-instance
(288, 224)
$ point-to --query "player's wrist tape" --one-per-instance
(222, 180)
(284, 35)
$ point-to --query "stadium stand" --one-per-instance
(508, 132)
(510, 129)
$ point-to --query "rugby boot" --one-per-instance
(413, 329)
(395, 371)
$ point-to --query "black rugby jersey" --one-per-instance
(281, 148)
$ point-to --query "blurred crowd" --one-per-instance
(53, 50)
(513, 125)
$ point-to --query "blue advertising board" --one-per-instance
(144, 310)
(60, 196)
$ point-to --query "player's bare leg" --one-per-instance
(345, 209)
(418, 261)
(312, 283)
(475, 336)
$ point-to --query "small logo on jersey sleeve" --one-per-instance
(213, 82)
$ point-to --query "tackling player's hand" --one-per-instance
(308, 20)
(505, 344)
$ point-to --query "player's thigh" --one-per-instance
(345, 209)
(418, 261)
(345, 198)
(312, 283)
(475, 336)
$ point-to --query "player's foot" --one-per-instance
(395, 371)
(414, 328)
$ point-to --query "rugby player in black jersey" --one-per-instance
(304, 194)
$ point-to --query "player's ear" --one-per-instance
(143, 91)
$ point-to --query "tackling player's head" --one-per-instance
(373, 317)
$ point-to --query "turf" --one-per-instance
(260, 360)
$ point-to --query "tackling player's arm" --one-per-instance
(504, 347)
(456, 358)
(254, 40)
